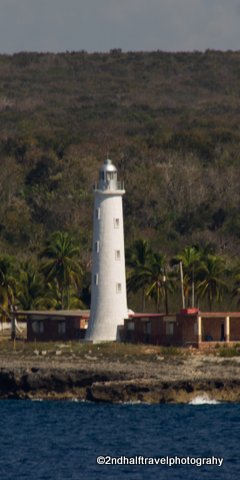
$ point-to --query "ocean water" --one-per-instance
(62, 440)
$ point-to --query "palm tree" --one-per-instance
(236, 285)
(51, 299)
(138, 257)
(159, 283)
(190, 259)
(211, 279)
(61, 264)
(7, 291)
(30, 286)
(148, 274)
(205, 248)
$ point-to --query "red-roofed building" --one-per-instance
(188, 327)
(55, 325)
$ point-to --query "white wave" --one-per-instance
(133, 402)
(78, 400)
(203, 400)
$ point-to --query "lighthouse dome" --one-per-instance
(108, 176)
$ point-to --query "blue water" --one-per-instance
(61, 440)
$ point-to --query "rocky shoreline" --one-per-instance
(161, 380)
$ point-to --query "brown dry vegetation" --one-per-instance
(169, 121)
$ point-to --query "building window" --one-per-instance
(118, 287)
(62, 328)
(117, 255)
(116, 222)
(98, 213)
(195, 328)
(96, 278)
(131, 325)
(38, 326)
(97, 246)
(169, 328)
(147, 328)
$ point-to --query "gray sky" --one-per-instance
(100, 25)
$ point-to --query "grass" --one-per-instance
(106, 351)
(229, 352)
(112, 351)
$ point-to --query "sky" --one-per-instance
(132, 25)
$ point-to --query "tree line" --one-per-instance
(197, 272)
(57, 280)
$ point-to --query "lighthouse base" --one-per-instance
(109, 332)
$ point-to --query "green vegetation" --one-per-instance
(170, 122)
(229, 352)
(60, 266)
(205, 276)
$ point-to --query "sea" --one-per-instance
(42, 440)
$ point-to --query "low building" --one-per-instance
(188, 327)
(55, 325)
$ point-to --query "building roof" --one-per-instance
(54, 313)
(186, 313)
(219, 314)
(146, 315)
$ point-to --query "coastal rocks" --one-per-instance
(44, 383)
(163, 392)
(112, 387)
(8, 383)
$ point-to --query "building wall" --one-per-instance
(213, 329)
(180, 329)
(170, 332)
(155, 329)
(235, 329)
(188, 329)
(48, 328)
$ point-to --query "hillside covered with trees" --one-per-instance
(169, 121)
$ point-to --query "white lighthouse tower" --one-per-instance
(108, 291)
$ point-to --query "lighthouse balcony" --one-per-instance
(108, 186)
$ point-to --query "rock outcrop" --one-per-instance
(112, 387)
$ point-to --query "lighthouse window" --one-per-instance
(98, 213)
(96, 278)
(97, 246)
(116, 222)
(110, 175)
(117, 255)
(119, 287)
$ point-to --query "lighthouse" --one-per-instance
(108, 290)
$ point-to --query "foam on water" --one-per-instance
(203, 400)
